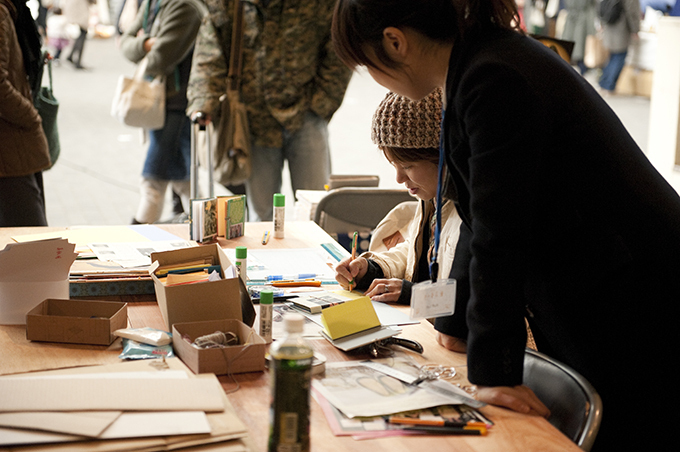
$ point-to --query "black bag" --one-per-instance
(610, 11)
(48, 106)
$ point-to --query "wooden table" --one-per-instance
(511, 432)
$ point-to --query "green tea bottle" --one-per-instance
(290, 373)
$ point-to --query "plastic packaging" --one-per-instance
(146, 335)
(291, 374)
(242, 262)
(266, 311)
(137, 350)
(279, 214)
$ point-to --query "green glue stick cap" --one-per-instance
(266, 297)
(279, 200)
(241, 252)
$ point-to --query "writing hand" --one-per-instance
(385, 290)
(452, 343)
(517, 398)
(350, 270)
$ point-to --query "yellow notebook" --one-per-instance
(350, 317)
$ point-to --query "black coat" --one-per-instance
(569, 223)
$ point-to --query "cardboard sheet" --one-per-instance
(110, 394)
(84, 423)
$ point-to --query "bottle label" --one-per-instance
(290, 405)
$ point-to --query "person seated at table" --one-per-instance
(407, 133)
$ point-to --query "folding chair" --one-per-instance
(575, 406)
(345, 210)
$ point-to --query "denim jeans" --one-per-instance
(168, 159)
(309, 163)
(611, 72)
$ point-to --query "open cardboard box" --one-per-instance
(248, 357)
(76, 321)
(214, 300)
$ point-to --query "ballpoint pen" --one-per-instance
(284, 277)
(265, 237)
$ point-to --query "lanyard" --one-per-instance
(434, 266)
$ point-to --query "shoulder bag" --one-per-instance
(48, 106)
(231, 134)
(138, 102)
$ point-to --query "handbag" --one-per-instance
(595, 54)
(139, 102)
(48, 107)
(231, 152)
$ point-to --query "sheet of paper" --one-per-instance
(134, 254)
(287, 262)
(30, 273)
(357, 390)
(81, 236)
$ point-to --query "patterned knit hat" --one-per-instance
(402, 123)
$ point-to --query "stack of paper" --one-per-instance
(130, 406)
(112, 260)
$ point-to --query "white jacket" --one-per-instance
(400, 261)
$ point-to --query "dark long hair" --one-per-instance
(359, 24)
(29, 42)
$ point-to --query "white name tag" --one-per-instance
(433, 299)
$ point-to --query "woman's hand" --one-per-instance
(148, 43)
(386, 290)
(455, 344)
(349, 270)
(517, 398)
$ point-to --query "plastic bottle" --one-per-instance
(242, 262)
(279, 214)
(291, 372)
(266, 308)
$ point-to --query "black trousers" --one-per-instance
(22, 201)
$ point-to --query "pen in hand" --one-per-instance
(354, 256)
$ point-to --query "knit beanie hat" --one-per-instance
(402, 123)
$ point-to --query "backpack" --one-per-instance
(610, 11)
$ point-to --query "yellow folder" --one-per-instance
(349, 317)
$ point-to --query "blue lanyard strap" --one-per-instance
(434, 266)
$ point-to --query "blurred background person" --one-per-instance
(24, 153)
(57, 35)
(292, 84)
(580, 22)
(78, 12)
(164, 31)
(616, 39)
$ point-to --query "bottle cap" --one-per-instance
(293, 323)
(266, 297)
(279, 200)
(241, 252)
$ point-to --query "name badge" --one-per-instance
(430, 299)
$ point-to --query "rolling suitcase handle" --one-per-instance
(198, 124)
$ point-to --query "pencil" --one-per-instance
(433, 422)
(354, 255)
(447, 430)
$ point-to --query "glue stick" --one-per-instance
(279, 214)
(242, 262)
(266, 308)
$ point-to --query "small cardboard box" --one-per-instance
(211, 300)
(248, 357)
(76, 321)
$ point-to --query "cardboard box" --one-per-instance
(231, 359)
(635, 82)
(214, 300)
(76, 321)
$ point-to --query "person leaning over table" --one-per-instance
(407, 133)
(23, 152)
(292, 84)
(569, 222)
